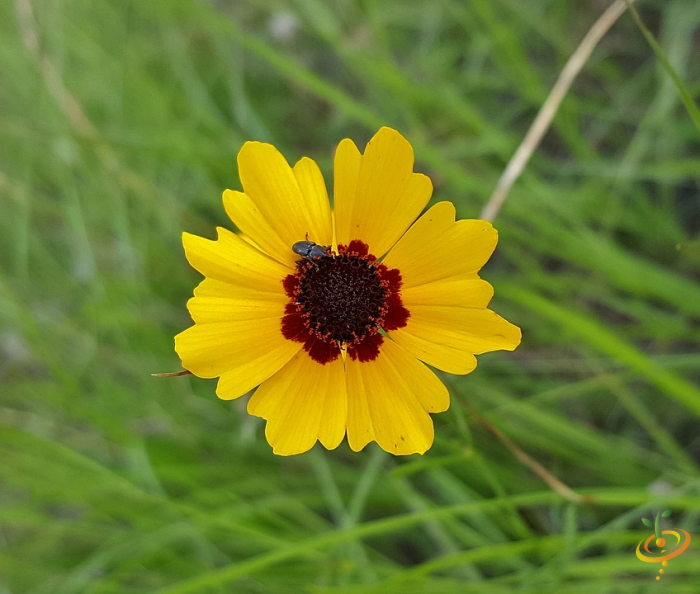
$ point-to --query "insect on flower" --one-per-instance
(340, 342)
(309, 250)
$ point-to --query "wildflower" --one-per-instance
(336, 336)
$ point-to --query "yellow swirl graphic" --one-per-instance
(680, 546)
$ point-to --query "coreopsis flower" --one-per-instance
(337, 333)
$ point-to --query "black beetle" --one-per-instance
(309, 250)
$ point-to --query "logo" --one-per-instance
(667, 543)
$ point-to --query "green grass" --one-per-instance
(119, 127)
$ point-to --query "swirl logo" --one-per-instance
(664, 547)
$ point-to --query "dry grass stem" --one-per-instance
(552, 481)
(549, 108)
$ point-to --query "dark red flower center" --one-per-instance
(343, 300)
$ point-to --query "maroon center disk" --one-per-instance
(343, 299)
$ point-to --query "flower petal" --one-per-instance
(444, 357)
(436, 247)
(233, 260)
(466, 329)
(346, 171)
(302, 403)
(313, 189)
(246, 376)
(244, 341)
(388, 400)
(377, 195)
(471, 292)
(279, 206)
(466, 291)
(215, 301)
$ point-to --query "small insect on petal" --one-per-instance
(309, 250)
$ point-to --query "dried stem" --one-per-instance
(549, 108)
(552, 481)
(172, 373)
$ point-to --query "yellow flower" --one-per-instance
(336, 336)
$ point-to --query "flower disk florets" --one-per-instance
(343, 300)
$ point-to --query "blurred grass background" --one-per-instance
(119, 127)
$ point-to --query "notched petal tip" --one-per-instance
(303, 403)
(252, 146)
(186, 347)
(387, 134)
(193, 246)
(377, 193)
(513, 337)
(189, 239)
(347, 146)
(287, 450)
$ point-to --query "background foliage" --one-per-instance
(119, 126)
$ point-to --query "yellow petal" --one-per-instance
(360, 426)
(302, 403)
(417, 378)
(241, 380)
(234, 260)
(346, 171)
(388, 400)
(216, 301)
(209, 350)
(275, 210)
(466, 291)
(313, 189)
(436, 247)
(467, 329)
(377, 195)
(433, 352)
(471, 292)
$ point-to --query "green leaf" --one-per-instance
(685, 94)
(667, 513)
(648, 522)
